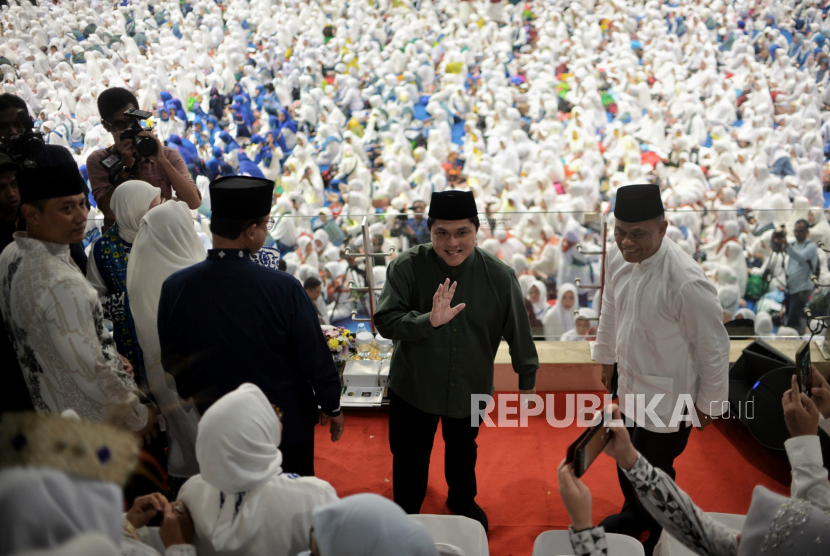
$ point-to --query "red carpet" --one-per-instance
(516, 473)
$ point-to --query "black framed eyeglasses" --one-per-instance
(116, 126)
(271, 223)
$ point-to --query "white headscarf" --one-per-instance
(369, 525)
(130, 202)
(44, 508)
(241, 504)
(238, 441)
(166, 243)
(559, 320)
(540, 306)
(323, 238)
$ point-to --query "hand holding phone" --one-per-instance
(586, 448)
(804, 369)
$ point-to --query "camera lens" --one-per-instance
(146, 147)
(34, 146)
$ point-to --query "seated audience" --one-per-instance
(60, 491)
(560, 319)
(585, 325)
(367, 525)
(242, 502)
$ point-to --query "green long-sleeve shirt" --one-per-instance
(437, 370)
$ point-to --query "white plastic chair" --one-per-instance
(558, 543)
(670, 546)
(463, 532)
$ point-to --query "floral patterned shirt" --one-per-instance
(673, 510)
(55, 322)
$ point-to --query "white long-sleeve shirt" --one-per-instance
(809, 474)
(662, 320)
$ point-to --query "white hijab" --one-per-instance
(44, 508)
(130, 202)
(540, 306)
(166, 243)
(241, 503)
(559, 320)
(370, 525)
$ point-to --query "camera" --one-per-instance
(145, 146)
(114, 166)
(25, 147)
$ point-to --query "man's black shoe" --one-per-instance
(473, 511)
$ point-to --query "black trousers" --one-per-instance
(660, 449)
(411, 434)
(299, 458)
(794, 304)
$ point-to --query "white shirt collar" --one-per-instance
(661, 252)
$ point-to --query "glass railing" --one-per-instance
(557, 256)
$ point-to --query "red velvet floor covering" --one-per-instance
(516, 472)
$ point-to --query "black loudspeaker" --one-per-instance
(766, 422)
(741, 328)
(757, 382)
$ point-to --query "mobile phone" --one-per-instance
(585, 449)
(804, 369)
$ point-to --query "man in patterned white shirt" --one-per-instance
(52, 313)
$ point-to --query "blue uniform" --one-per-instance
(228, 320)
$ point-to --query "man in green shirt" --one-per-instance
(444, 354)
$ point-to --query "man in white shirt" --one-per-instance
(661, 322)
(53, 315)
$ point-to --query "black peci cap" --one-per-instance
(49, 182)
(452, 205)
(241, 197)
(638, 203)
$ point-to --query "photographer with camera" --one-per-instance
(415, 228)
(136, 154)
(802, 263)
(26, 149)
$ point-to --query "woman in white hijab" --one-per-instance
(368, 525)
(242, 503)
(537, 297)
(755, 188)
(54, 504)
(166, 243)
(326, 252)
(729, 293)
(107, 266)
(560, 318)
(819, 227)
(129, 202)
(340, 302)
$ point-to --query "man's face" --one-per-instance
(259, 235)
(315, 293)
(9, 194)
(9, 124)
(639, 240)
(801, 232)
(62, 221)
(118, 122)
(418, 209)
(453, 240)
